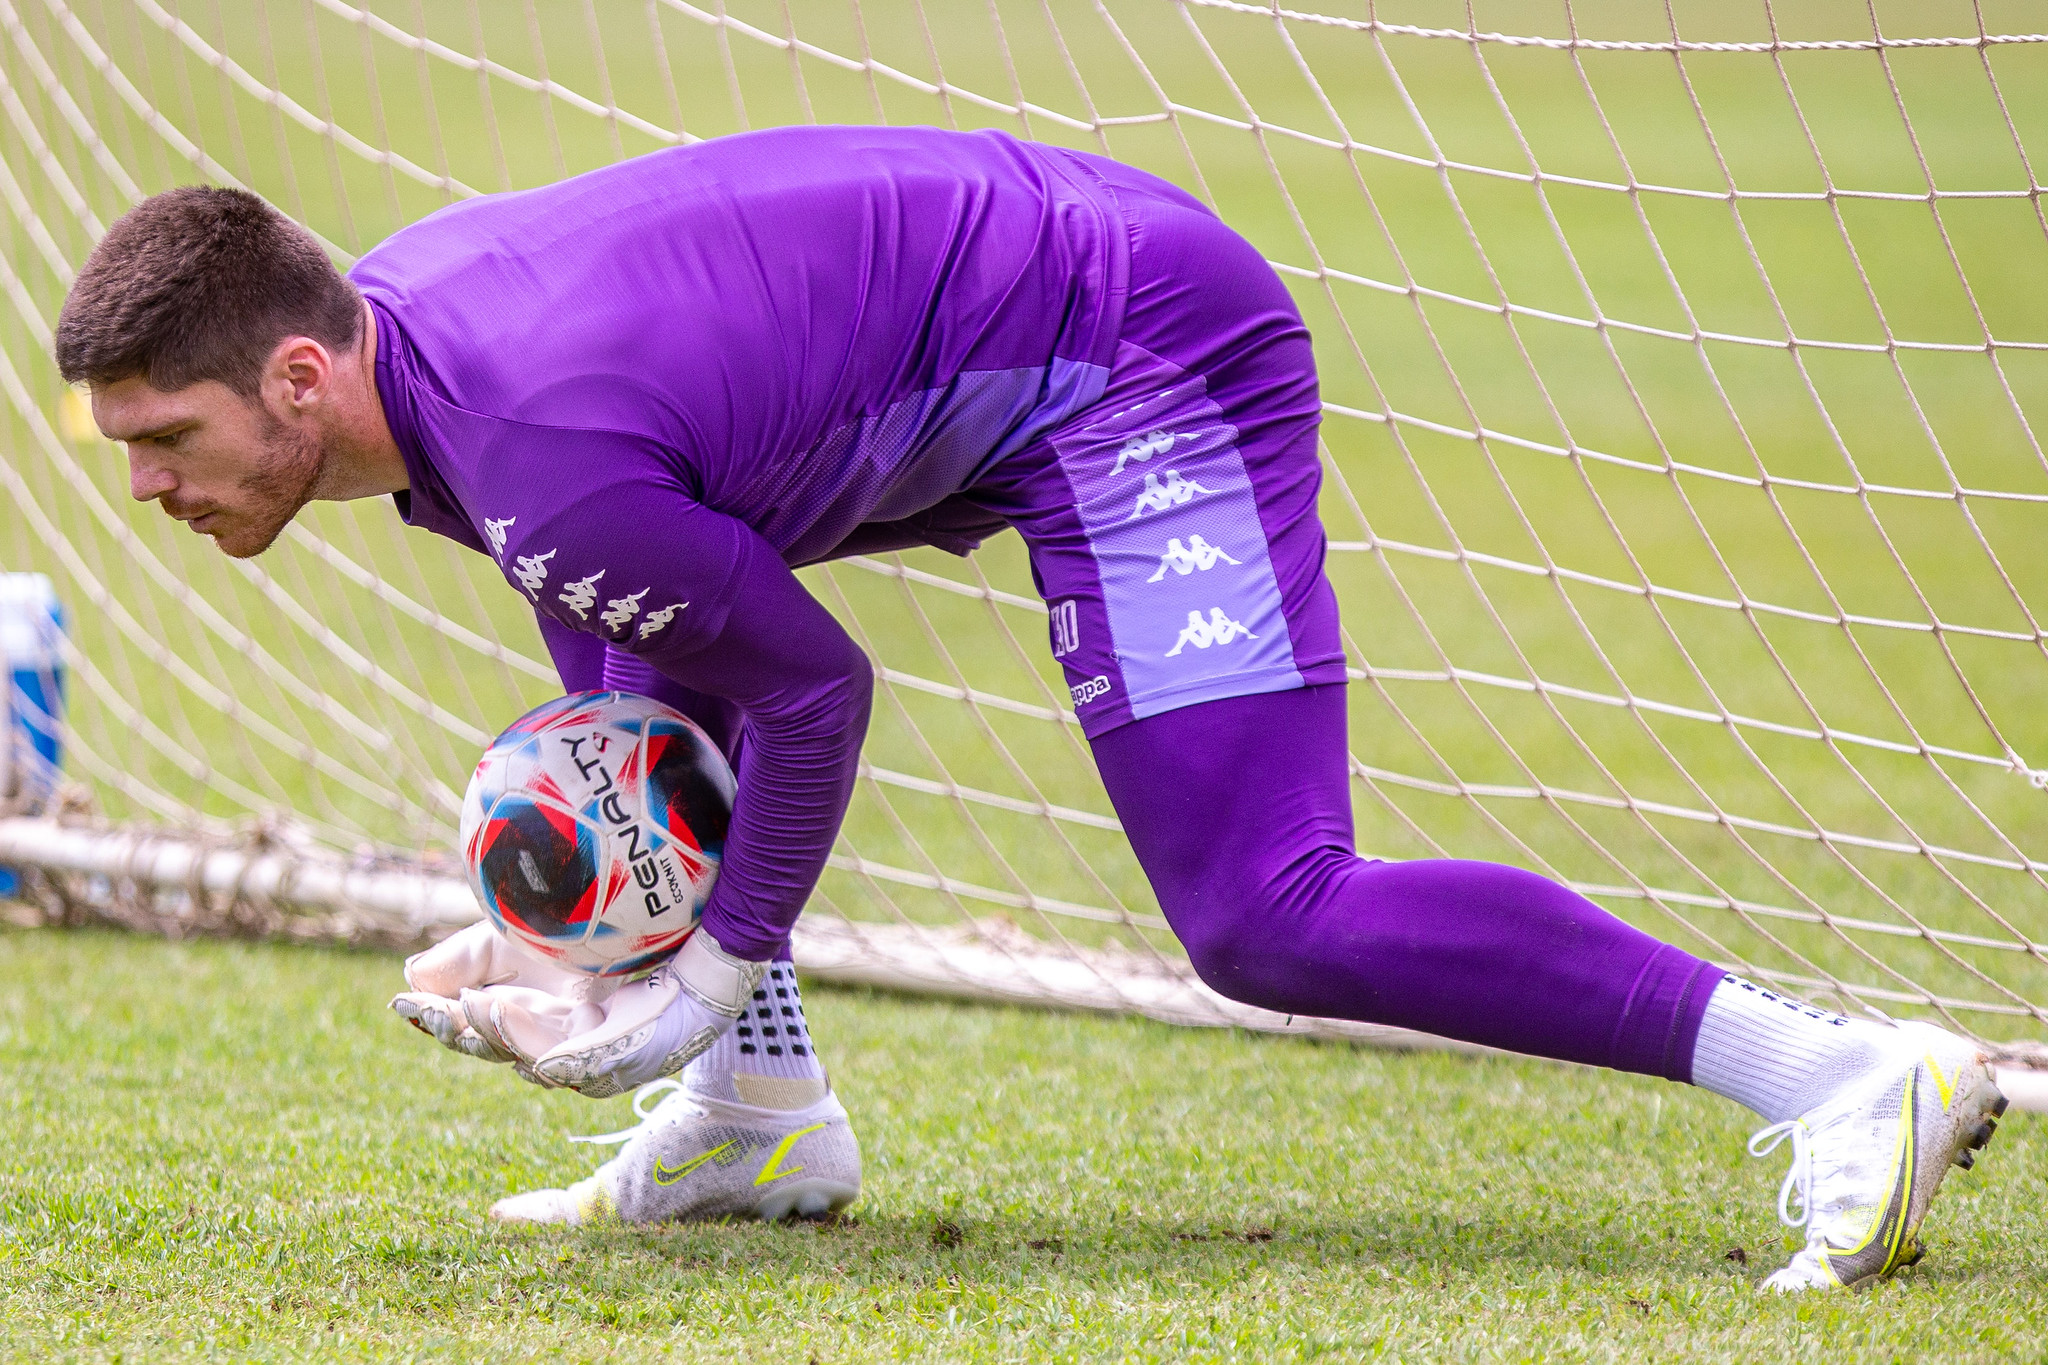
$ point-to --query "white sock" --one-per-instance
(1777, 1056)
(766, 1059)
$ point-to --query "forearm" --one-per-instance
(699, 612)
(796, 769)
(804, 690)
(795, 779)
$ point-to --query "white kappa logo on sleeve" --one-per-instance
(657, 619)
(622, 609)
(495, 532)
(1185, 559)
(532, 572)
(581, 595)
(1217, 630)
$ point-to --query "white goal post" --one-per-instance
(1684, 369)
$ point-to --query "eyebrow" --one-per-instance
(154, 432)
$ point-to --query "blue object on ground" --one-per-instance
(32, 701)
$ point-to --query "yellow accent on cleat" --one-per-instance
(1943, 1086)
(1868, 1160)
(1883, 1246)
(768, 1172)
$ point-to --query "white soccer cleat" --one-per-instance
(1867, 1161)
(583, 1202)
(693, 1158)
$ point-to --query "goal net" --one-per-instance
(1684, 368)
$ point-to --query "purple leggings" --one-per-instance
(1240, 813)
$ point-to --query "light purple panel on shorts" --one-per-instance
(1193, 607)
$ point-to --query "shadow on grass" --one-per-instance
(888, 1250)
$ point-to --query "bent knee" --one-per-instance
(1275, 945)
(1245, 956)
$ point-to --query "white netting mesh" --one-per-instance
(1683, 370)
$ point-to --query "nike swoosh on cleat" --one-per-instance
(1884, 1248)
(665, 1174)
(769, 1171)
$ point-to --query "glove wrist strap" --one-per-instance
(717, 980)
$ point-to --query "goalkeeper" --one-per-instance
(651, 392)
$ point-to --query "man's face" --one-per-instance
(222, 464)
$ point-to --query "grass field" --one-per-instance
(234, 1151)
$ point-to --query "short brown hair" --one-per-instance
(200, 283)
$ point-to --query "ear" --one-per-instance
(298, 377)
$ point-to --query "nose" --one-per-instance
(147, 481)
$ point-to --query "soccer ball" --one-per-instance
(593, 828)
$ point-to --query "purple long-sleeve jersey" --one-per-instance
(650, 391)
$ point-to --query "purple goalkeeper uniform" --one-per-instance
(651, 391)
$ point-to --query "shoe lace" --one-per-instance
(1798, 1180)
(662, 1093)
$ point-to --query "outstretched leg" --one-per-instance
(1173, 534)
(1238, 810)
(1240, 813)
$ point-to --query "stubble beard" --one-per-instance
(274, 492)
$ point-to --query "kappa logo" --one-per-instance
(1185, 559)
(581, 595)
(1143, 448)
(657, 619)
(532, 572)
(1066, 628)
(622, 609)
(494, 531)
(1158, 497)
(1217, 630)
(1097, 686)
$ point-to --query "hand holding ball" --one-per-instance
(592, 831)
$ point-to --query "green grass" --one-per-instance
(234, 1151)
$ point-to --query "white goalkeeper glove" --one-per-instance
(477, 994)
(480, 963)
